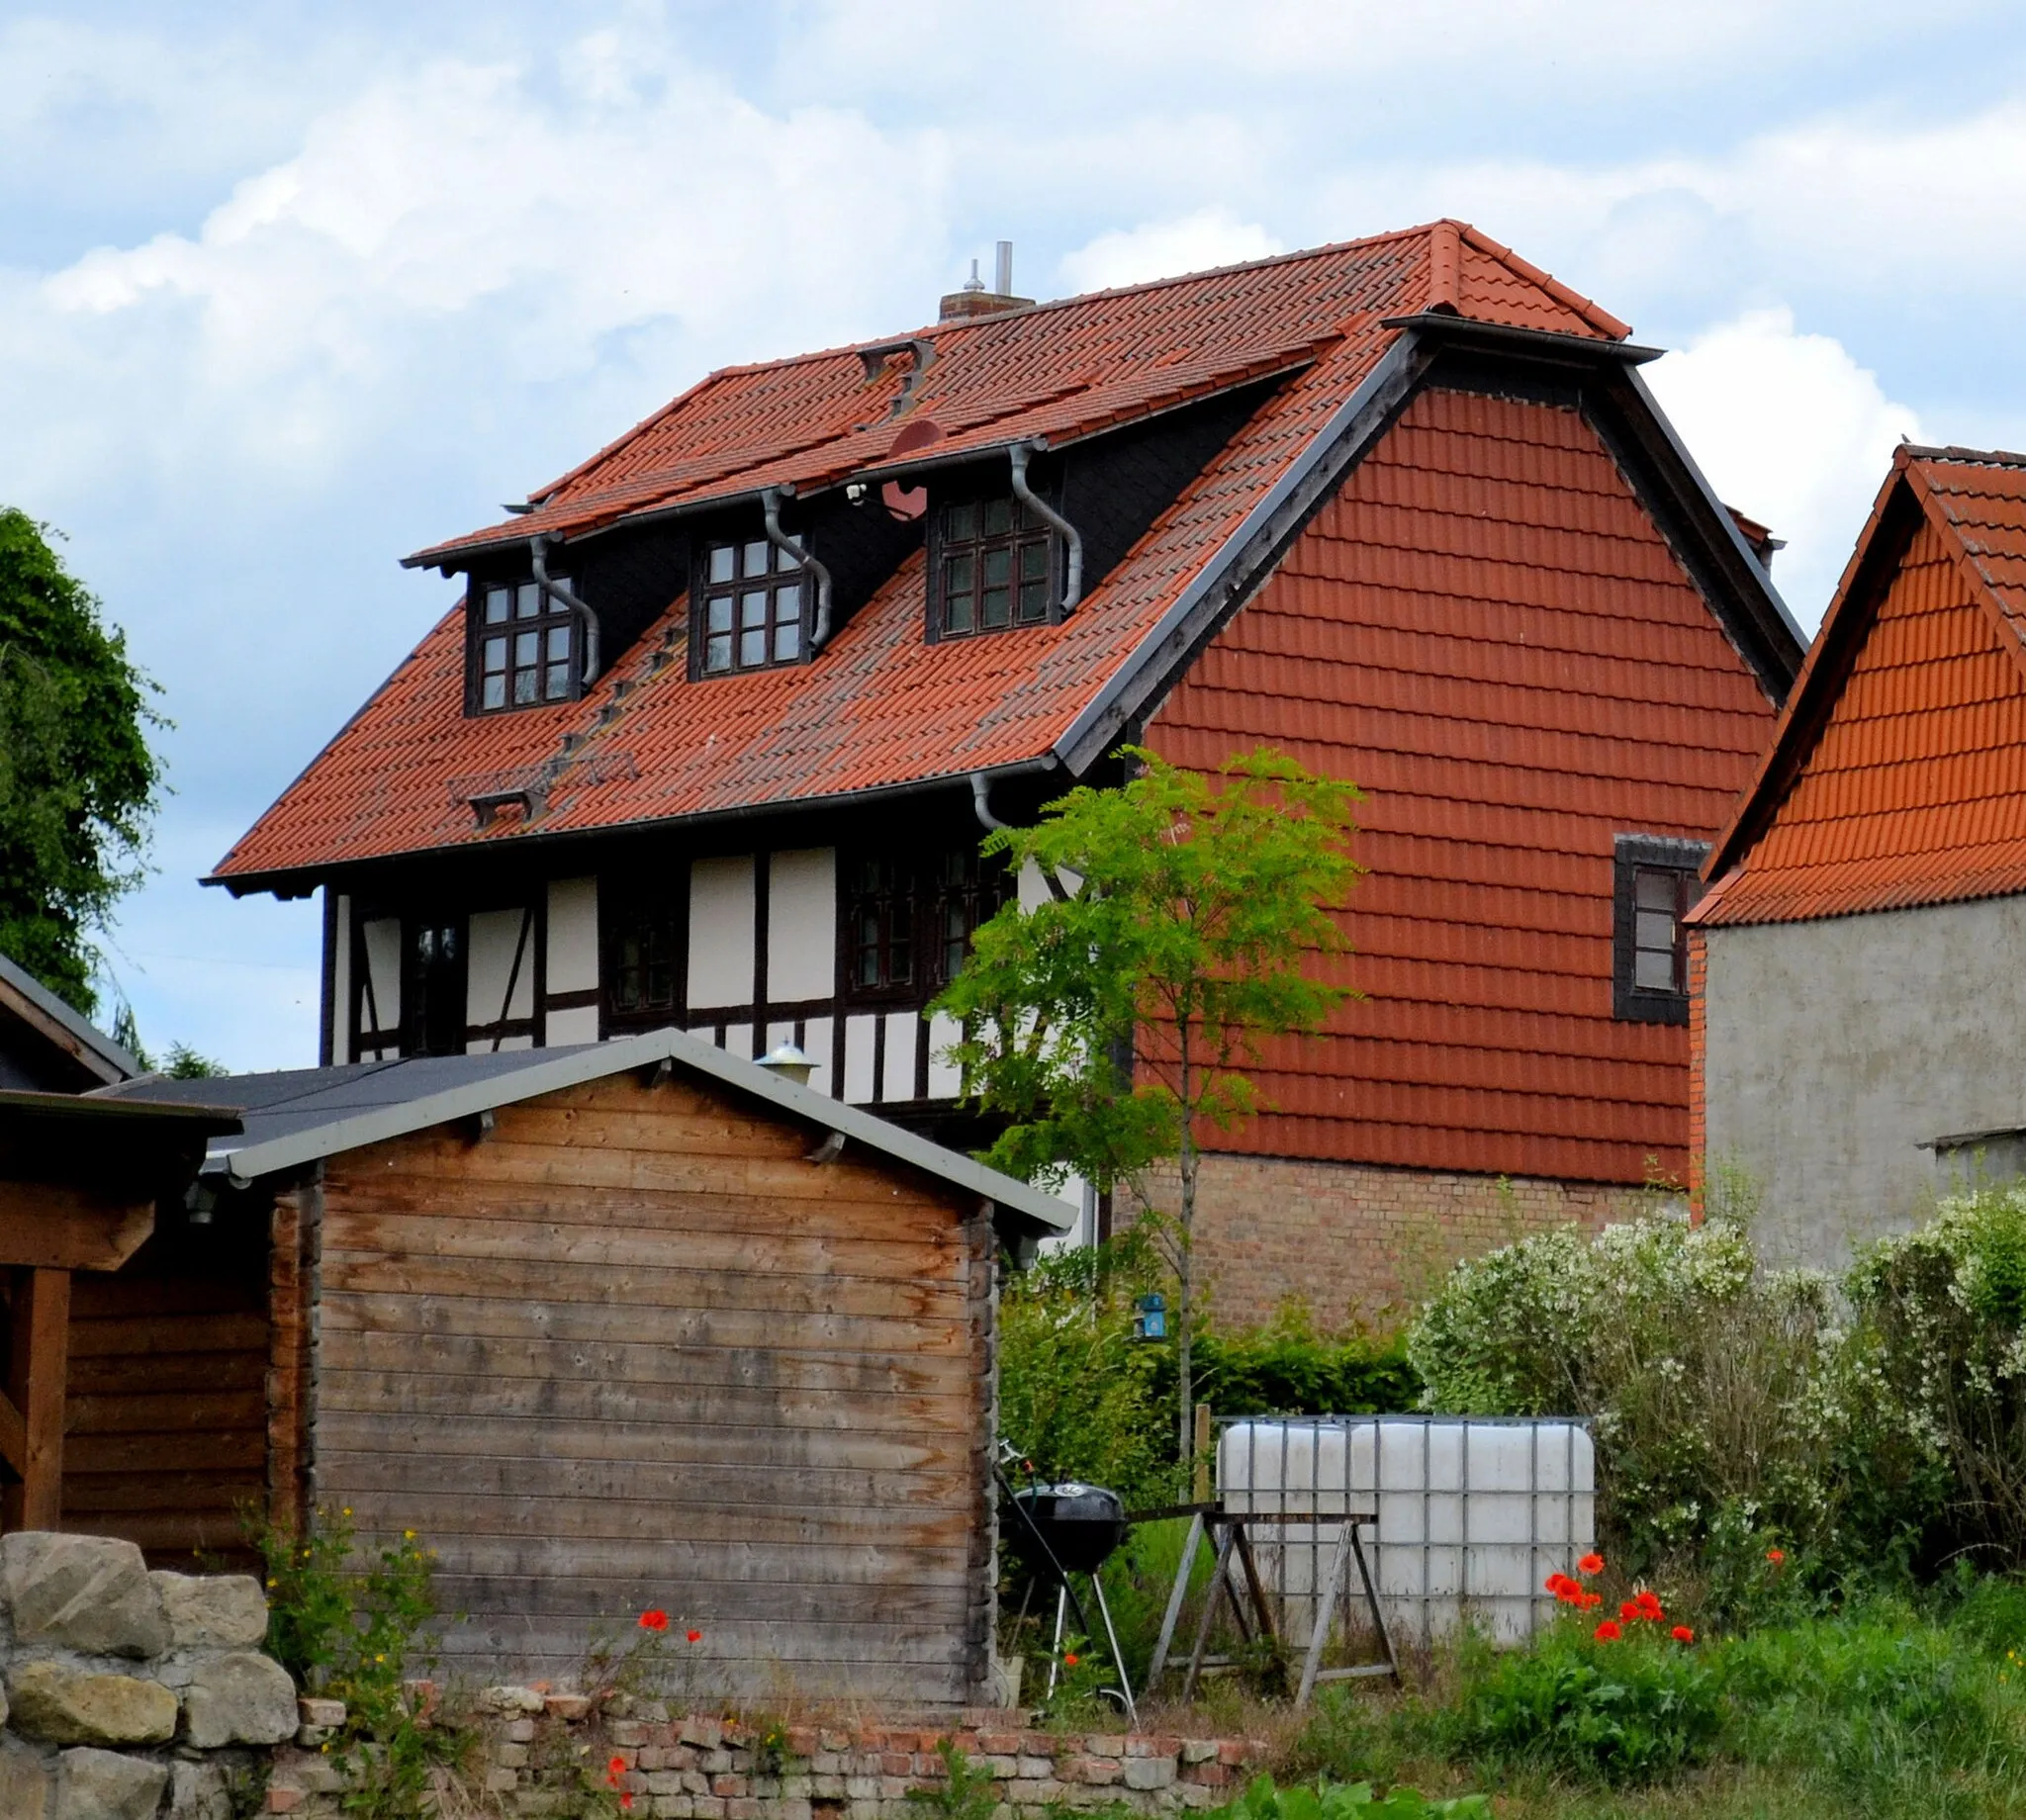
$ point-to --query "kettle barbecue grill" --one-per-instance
(1063, 1529)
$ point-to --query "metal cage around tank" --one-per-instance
(1474, 1512)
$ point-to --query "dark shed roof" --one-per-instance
(304, 1115)
(45, 1043)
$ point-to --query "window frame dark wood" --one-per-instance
(1025, 529)
(781, 572)
(1633, 854)
(552, 617)
(619, 910)
(416, 995)
(976, 893)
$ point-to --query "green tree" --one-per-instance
(1109, 1024)
(78, 779)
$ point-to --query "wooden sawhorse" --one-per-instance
(1229, 1531)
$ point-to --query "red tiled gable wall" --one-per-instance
(1915, 789)
(1486, 631)
(880, 706)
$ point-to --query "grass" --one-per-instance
(1881, 1710)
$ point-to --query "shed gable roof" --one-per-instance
(1897, 775)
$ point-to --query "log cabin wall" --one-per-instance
(166, 1435)
(633, 1348)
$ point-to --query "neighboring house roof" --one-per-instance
(1349, 327)
(45, 1044)
(1897, 775)
(304, 1115)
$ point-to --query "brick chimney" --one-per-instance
(976, 301)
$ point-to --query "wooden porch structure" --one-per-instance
(80, 1181)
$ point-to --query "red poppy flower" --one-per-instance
(1591, 1600)
(655, 1619)
(1071, 1659)
(616, 1769)
(1631, 1612)
(1609, 1631)
(1682, 1634)
(1776, 1555)
(1590, 1563)
(1648, 1603)
(696, 1636)
(626, 1803)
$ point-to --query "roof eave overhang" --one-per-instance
(299, 882)
(1027, 1207)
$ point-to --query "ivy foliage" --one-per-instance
(78, 782)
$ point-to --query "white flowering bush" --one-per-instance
(1715, 1389)
(1939, 1351)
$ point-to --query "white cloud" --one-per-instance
(1164, 249)
(1792, 432)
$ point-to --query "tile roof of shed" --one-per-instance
(882, 708)
(1897, 775)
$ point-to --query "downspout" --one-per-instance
(564, 599)
(982, 802)
(770, 504)
(1072, 582)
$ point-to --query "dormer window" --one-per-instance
(523, 647)
(751, 601)
(994, 566)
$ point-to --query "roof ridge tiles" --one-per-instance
(1957, 454)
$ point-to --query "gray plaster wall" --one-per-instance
(1835, 1048)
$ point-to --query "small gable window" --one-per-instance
(993, 567)
(752, 600)
(523, 647)
(1655, 885)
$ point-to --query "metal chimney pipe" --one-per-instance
(1003, 270)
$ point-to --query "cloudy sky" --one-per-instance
(287, 290)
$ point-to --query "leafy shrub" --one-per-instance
(1632, 1710)
(358, 1631)
(1078, 1394)
(1702, 1375)
(1287, 1369)
(1347, 1801)
(1941, 1351)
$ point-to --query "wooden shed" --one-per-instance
(637, 1325)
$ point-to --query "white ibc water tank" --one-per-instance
(1473, 1513)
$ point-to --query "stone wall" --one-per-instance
(1352, 1242)
(538, 1749)
(130, 1694)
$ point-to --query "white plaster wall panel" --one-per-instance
(860, 1040)
(1078, 1194)
(1835, 1049)
(817, 1040)
(801, 925)
(738, 1040)
(1034, 889)
(341, 979)
(571, 958)
(492, 946)
(578, 1023)
(381, 939)
(721, 944)
(946, 1079)
(484, 1046)
(776, 1034)
(896, 1082)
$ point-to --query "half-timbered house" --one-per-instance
(711, 736)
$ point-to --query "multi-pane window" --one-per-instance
(881, 926)
(992, 567)
(908, 922)
(1655, 885)
(645, 948)
(752, 606)
(525, 646)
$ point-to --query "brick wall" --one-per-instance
(1352, 1242)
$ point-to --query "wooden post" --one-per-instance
(38, 1367)
(1200, 1452)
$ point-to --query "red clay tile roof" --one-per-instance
(881, 709)
(1487, 630)
(1899, 774)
